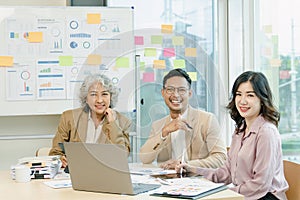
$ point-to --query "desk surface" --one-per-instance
(36, 189)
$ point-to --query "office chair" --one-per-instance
(292, 175)
(43, 151)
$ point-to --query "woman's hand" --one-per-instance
(109, 115)
(185, 168)
(63, 161)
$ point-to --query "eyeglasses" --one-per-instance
(180, 90)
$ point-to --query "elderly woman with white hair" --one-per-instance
(95, 121)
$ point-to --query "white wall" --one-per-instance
(21, 136)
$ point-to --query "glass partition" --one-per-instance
(277, 35)
(173, 34)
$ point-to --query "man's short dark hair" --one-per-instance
(177, 72)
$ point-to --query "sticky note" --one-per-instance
(178, 40)
(156, 39)
(190, 52)
(193, 75)
(142, 66)
(94, 59)
(169, 52)
(66, 60)
(6, 61)
(150, 52)
(93, 18)
(267, 28)
(122, 62)
(35, 37)
(139, 40)
(148, 77)
(180, 63)
(275, 62)
(159, 64)
(167, 28)
(267, 51)
(284, 74)
(275, 39)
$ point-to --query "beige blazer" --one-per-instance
(205, 145)
(73, 128)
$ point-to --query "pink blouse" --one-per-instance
(254, 163)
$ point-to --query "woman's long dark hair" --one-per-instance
(262, 90)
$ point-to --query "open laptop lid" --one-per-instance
(99, 167)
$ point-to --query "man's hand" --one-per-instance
(175, 125)
(170, 164)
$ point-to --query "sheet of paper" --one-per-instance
(187, 186)
(150, 171)
(59, 184)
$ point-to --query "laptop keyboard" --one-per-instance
(142, 187)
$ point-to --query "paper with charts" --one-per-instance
(187, 187)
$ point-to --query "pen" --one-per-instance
(182, 160)
(164, 182)
(188, 125)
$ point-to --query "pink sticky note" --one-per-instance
(169, 52)
(139, 40)
(148, 77)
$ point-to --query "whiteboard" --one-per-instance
(46, 52)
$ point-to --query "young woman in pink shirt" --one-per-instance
(254, 167)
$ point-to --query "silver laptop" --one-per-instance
(102, 168)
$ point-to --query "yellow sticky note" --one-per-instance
(267, 51)
(35, 37)
(179, 63)
(178, 40)
(167, 28)
(275, 62)
(156, 39)
(6, 61)
(267, 28)
(150, 52)
(122, 62)
(93, 18)
(65, 60)
(159, 64)
(191, 52)
(94, 59)
(193, 75)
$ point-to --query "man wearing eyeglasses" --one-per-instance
(186, 134)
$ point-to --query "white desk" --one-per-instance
(36, 189)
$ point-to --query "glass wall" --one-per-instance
(277, 54)
(259, 35)
(173, 34)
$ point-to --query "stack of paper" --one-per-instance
(43, 167)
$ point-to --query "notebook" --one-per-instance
(102, 168)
